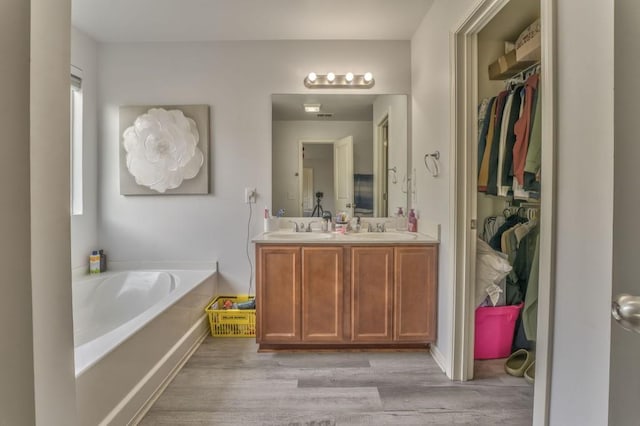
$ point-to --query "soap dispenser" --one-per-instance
(401, 221)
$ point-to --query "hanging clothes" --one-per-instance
(505, 180)
(484, 116)
(522, 129)
(530, 310)
(483, 174)
(492, 181)
(510, 222)
(509, 107)
(534, 154)
(491, 226)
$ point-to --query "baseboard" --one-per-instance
(192, 340)
(439, 359)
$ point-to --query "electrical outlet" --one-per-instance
(250, 195)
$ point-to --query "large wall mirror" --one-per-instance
(348, 153)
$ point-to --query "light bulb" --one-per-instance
(349, 77)
(330, 77)
(368, 77)
(312, 77)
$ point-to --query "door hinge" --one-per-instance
(474, 223)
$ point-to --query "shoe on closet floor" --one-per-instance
(518, 362)
(530, 373)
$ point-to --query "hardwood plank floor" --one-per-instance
(226, 382)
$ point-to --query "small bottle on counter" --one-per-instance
(103, 261)
(413, 221)
(401, 221)
(94, 262)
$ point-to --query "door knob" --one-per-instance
(348, 205)
(625, 309)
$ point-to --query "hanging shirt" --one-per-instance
(483, 174)
(503, 141)
(523, 129)
(505, 182)
(534, 154)
(484, 116)
(492, 181)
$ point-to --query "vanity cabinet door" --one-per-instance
(371, 294)
(322, 294)
(278, 294)
(415, 293)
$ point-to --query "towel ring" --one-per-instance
(434, 169)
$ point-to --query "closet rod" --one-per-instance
(522, 75)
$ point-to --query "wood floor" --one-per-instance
(226, 382)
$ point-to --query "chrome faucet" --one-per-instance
(380, 227)
(309, 225)
(297, 227)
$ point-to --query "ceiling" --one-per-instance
(342, 107)
(213, 20)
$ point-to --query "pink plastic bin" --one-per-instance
(494, 331)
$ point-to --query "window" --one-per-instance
(76, 141)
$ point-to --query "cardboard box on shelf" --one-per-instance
(507, 66)
(528, 43)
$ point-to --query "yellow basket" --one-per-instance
(231, 322)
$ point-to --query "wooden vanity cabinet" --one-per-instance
(415, 296)
(300, 294)
(337, 296)
(322, 294)
(278, 294)
(371, 294)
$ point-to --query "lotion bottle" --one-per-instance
(413, 221)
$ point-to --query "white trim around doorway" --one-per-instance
(463, 54)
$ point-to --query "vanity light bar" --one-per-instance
(340, 81)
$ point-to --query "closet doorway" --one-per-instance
(474, 46)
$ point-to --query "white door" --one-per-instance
(624, 372)
(343, 175)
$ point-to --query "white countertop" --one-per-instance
(375, 238)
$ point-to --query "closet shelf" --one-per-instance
(507, 66)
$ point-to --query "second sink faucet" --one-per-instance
(309, 225)
(296, 227)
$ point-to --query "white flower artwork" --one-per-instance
(162, 151)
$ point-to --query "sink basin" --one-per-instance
(296, 236)
(385, 236)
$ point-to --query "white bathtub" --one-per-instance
(132, 330)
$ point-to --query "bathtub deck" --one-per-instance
(226, 382)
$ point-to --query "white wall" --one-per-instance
(84, 228)
(16, 359)
(430, 109)
(54, 373)
(237, 80)
(286, 135)
(395, 107)
(584, 227)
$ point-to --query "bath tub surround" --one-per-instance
(134, 327)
